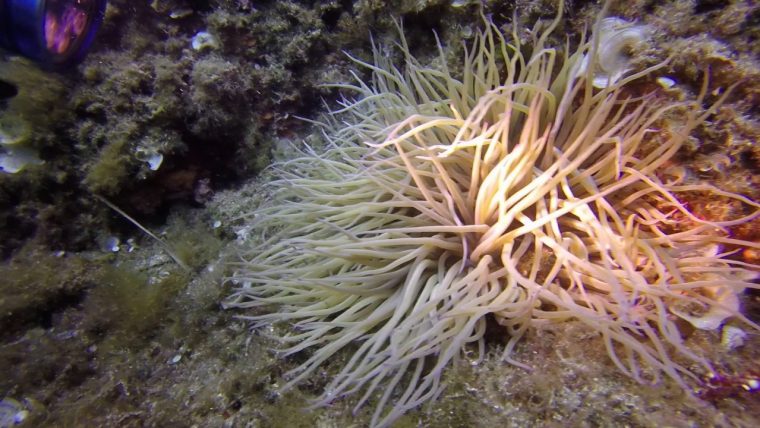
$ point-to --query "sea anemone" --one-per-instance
(516, 191)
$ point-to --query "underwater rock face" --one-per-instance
(521, 191)
(90, 336)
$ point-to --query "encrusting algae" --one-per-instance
(522, 191)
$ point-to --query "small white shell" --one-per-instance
(666, 82)
(715, 315)
(616, 36)
(13, 160)
(732, 337)
(205, 40)
(154, 161)
(111, 244)
(150, 156)
(12, 412)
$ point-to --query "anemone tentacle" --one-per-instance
(517, 191)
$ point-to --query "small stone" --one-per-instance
(181, 13)
(666, 82)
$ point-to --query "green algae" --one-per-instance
(37, 283)
(109, 170)
(127, 306)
